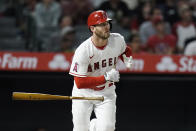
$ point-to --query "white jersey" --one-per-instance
(89, 60)
(190, 49)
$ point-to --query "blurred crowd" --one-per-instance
(149, 26)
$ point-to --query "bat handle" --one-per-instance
(87, 98)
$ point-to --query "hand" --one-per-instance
(128, 61)
(112, 75)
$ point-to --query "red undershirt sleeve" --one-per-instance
(128, 53)
(89, 82)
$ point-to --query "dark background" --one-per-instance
(144, 102)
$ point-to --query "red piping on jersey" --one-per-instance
(128, 53)
(77, 74)
(99, 47)
(90, 82)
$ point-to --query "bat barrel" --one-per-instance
(37, 96)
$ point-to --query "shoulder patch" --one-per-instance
(75, 69)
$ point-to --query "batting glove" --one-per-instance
(128, 61)
(112, 75)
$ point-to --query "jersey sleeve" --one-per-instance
(79, 64)
(123, 44)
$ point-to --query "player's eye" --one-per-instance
(103, 24)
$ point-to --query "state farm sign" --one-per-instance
(187, 64)
(148, 63)
(10, 61)
(138, 65)
(183, 64)
(59, 61)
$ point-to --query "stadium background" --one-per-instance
(146, 101)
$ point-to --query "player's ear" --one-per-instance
(92, 28)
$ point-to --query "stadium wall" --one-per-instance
(144, 102)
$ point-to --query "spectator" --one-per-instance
(161, 43)
(118, 11)
(170, 11)
(64, 42)
(29, 6)
(135, 44)
(147, 28)
(27, 22)
(132, 4)
(139, 15)
(185, 28)
(144, 10)
(78, 9)
(47, 13)
(65, 21)
(192, 4)
(68, 40)
(67, 7)
(190, 47)
(63, 39)
(97, 3)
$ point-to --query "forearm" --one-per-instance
(89, 82)
(127, 52)
(38, 16)
(56, 17)
(127, 58)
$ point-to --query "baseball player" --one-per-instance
(93, 68)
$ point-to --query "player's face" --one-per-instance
(102, 30)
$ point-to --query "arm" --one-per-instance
(56, 14)
(92, 82)
(38, 17)
(126, 57)
(127, 52)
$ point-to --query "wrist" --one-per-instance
(106, 77)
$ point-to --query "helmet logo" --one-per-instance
(96, 15)
(104, 16)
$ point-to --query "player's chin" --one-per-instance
(104, 35)
(107, 35)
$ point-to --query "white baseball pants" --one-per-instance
(105, 114)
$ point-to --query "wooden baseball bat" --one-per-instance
(40, 96)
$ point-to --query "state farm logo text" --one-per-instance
(186, 64)
(138, 65)
(21, 62)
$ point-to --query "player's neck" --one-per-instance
(98, 41)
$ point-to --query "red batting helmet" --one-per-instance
(97, 17)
